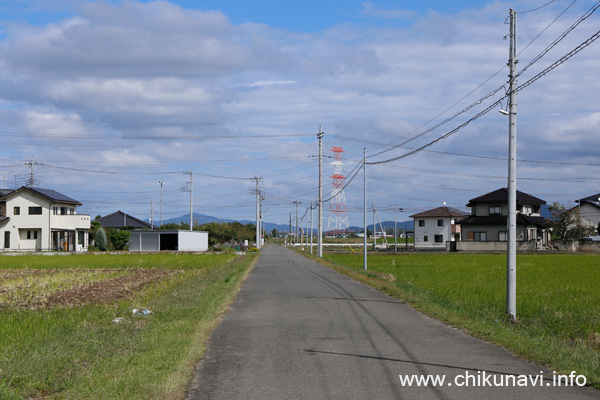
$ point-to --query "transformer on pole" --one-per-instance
(338, 214)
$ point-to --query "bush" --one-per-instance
(253, 250)
(100, 239)
(119, 239)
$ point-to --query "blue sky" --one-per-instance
(111, 97)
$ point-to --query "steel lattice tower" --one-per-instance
(338, 214)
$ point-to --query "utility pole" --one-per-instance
(191, 190)
(161, 182)
(290, 231)
(374, 228)
(3, 185)
(320, 200)
(511, 264)
(31, 165)
(262, 222)
(395, 228)
(365, 206)
(152, 213)
(297, 203)
(311, 227)
(257, 212)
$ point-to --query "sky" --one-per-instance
(107, 98)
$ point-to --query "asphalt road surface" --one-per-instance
(298, 330)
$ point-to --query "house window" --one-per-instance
(17, 211)
(55, 210)
(81, 238)
(439, 238)
(440, 222)
(71, 211)
(480, 236)
(495, 210)
(63, 211)
(425, 238)
(527, 210)
(421, 222)
(7, 239)
(35, 210)
(502, 236)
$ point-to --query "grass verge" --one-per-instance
(558, 301)
(80, 353)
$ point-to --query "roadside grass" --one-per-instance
(558, 300)
(81, 353)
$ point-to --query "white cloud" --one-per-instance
(131, 72)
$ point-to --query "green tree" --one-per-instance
(119, 239)
(100, 239)
(567, 223)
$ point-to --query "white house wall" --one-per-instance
(193, 241)
(431, 229)
(19, 225)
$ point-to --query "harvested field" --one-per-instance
(43, 289)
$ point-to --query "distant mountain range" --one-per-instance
(269, 226)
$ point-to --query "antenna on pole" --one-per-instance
(31, 181)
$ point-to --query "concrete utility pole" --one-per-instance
(257, 212)
(152, 213)
(311, 227)
(374, 228)
(290, 231)
(365, 206)
(320, 200)
(161, 182)
(297, 203)
(191, 190)
(511, 268)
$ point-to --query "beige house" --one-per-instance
(433, 228)
(36, 219)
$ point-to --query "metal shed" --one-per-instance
(168, 240)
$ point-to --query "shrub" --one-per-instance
(100, 239)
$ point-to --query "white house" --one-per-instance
(36, 219)
(590, 209)
(435, 227)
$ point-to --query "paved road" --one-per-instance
(299, 330)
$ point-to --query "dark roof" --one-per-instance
(49, 194)
(119, 219)
(593, 200)
(501, 196)
(441, 212)
(4, 192)
(502, 220)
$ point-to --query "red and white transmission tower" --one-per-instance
(338, 214)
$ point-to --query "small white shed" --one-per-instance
(168, 239)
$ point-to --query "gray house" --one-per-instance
(488, 221)
(590, 209)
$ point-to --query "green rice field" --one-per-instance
(558, 300)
